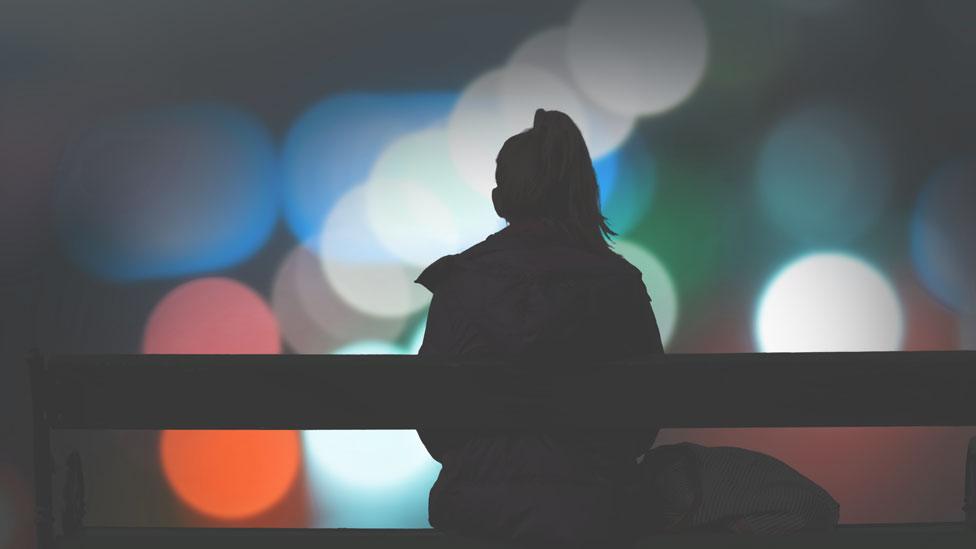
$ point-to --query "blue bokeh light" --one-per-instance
(335, 143)
(171, 192)
(606, 169)
(628, 178)
(943, 236)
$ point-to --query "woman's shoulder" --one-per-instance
(440, 270)
(435, 273)
(510, 252)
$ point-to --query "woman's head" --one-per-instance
(546, 173)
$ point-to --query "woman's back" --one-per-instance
(527, 291)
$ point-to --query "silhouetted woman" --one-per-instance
(548, 285)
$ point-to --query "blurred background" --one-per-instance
(266, 177)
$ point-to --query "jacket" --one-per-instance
(530, 291)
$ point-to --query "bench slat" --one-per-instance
(404, 392)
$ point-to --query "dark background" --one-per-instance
(905, 69)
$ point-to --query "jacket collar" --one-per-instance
(523, 234)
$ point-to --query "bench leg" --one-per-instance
(43, 461)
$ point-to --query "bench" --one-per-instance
(406, 392)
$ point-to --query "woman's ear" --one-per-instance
(499, 203)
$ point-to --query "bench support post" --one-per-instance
(43, 460)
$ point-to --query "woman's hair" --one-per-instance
(546, 172)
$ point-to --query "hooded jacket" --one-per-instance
(530, 290)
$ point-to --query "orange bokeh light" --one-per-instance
(230, 474)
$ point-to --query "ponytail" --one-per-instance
(567, 180)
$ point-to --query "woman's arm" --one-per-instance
(448, 334)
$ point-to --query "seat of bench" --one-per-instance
(854, 536)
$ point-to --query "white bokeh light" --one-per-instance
(524, 88)
(660, 288)
(411, 220)
(827, 302)
(497, 105)
(417, 204)
(604, 130)
(367, 458)
(312, 317)
(637, 58)
(362, 271)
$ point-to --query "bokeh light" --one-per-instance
(632, 185)
(660, 287)
(212, 315)
(313, 318)
(828, 302)
(370, 347)
(230, 474)
(172, 192)
(369, 479)
(416, 340)
(943, 238)
(823, 176)
(334, 144)
(418, 206)
(637, 58)
(604, 130)
(360, 269)
(410, 346)
(370, 458)
(497, 105)
(627, 179)
(606, 170)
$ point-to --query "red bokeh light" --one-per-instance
(212, 316)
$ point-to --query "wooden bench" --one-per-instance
(406, 392)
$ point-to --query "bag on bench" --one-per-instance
(692, 488)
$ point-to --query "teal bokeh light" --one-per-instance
(823, 176)
(369, 479)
